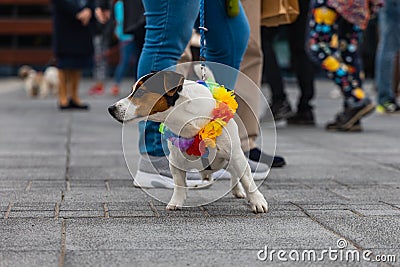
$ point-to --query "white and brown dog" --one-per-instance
(184, 107)
(39, 84)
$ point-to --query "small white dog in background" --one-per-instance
(39, 84)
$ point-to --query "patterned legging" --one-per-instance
(333, 44)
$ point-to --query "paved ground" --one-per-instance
(66, 195)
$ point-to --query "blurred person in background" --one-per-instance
(101, 44)
(335, 29)
(73, 47)
(388, 47)
(248, 98)
(126, 47)
(303, 67)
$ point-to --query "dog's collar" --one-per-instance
(224, 110)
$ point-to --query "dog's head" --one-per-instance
(151, 94)
(24, 71)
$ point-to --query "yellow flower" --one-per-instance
(359, 93)
(210, 132)
(324, 15)
(223, 95)
(330, 63)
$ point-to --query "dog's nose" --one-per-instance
(112, 109)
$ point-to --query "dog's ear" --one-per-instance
(173, 82)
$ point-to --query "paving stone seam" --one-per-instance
(9, 208)
(68, 153)
(205, 212)
(28, 186)
(330, 229)
(107, 185)
(61, 259)
(154, 209)
(106, 211)
(389, 204)
(333, 231)
(56, 210)
(337, 194)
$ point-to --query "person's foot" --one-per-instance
(115, 90)
(154, 172)
(281, 110)
(259, 171)
(345, 120)
(77, 105)
(389, 107)
(257, 155)
(334, 126)
(302, 117)
(64, 106)
(97, 89)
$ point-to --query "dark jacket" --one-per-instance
(70, 37)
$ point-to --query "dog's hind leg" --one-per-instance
(179, 195)
(237, 188)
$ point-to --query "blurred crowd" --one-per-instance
(153, 35)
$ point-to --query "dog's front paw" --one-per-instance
(174, 206)
(258, 203)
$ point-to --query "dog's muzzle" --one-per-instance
(113, 112)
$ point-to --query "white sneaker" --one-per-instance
(154, 172)
(259, 171)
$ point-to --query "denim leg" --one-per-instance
(169, 26)
(127, 49)
(226, 38)
(389, 44)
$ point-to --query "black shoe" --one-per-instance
(303, 117)
(333, 126)
(281, 110)
(64, 107)
(75, 105)
(345, 120)
(257, 155)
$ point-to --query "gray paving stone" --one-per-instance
(29, 258)
(388, 194)
(42, 196)
(344, 174)
(93, 195)
(32, 161)
(33, 206)
(41, 173)
(172, 233)
(98, 172)
(369, 232)
(36, 234)
(98, 160)
(34, 214)
(347, 183)
(81, 214)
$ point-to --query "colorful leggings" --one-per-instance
(333, 43)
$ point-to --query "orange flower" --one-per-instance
(223, 111)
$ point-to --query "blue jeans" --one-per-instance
(126, 50)
(389, 45)
(169, 26)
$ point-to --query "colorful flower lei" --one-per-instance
(225, 109)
